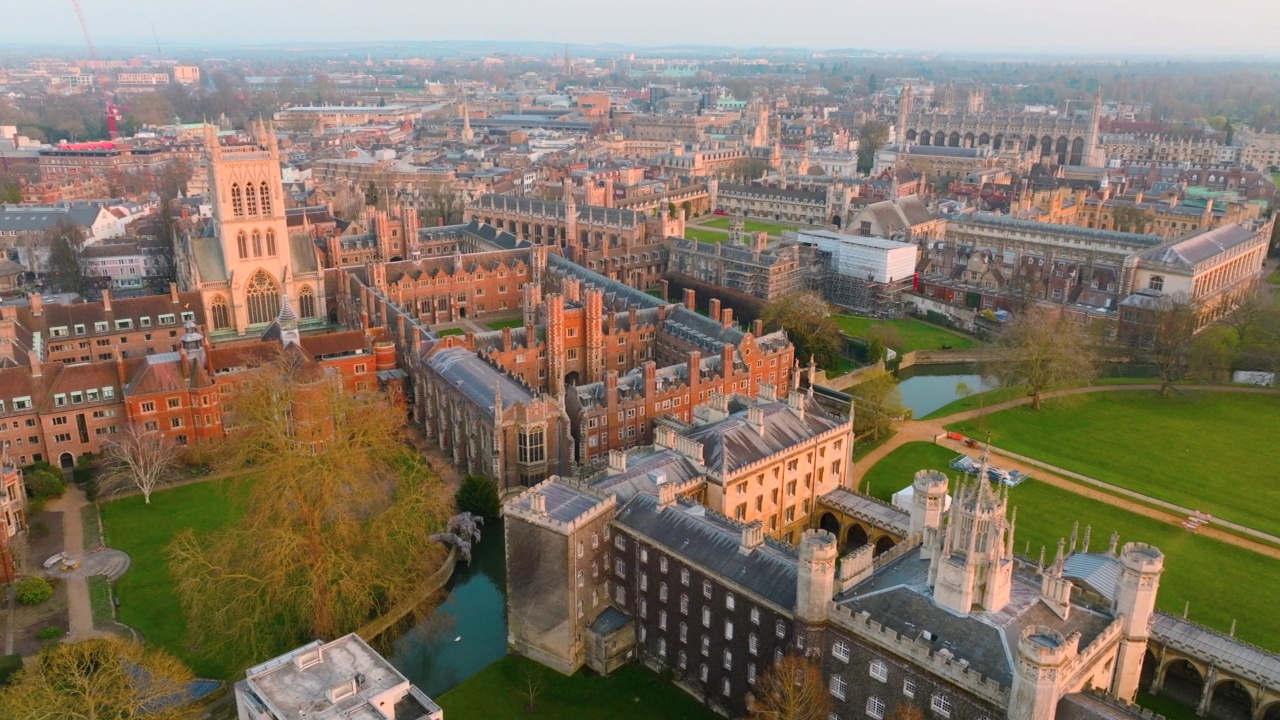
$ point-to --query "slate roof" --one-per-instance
(1005, 221)
(564, 503)
(733, 443)
(711, 542)
(1097, 571)
(1228, 652)
(26, 218)
(609, 620)
(700, 329)
(764, 191)
(1201, 247)
(898, 597)
(881, 514)
(616, 294)
(644, 467)
(534, 207)
(475, 378)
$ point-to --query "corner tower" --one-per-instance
(1140, 568)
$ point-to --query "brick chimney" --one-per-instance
(757, 327)
(106, 301)
(713, 309)
(34, 359)
(173, 293)
(726, 317)
(37, 304)
(690, 299)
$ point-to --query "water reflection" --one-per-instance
(926, 388)
(468, 632)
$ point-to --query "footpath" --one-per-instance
(934, 431)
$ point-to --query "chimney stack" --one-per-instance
(752, 537)
(617, 461)
(538, 503)
(726, 317)
(34, 358)
(757, 327)
(690, 299)
(713, 309)
(666, 495)
(37, 304)
(173, 293)
(106, 301)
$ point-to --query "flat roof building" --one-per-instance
(344, 679)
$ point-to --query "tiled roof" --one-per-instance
(1201, 247)
(476, 379)
(733, 443)
(711, 542)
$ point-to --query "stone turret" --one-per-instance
(1140, 568)
(928, 500)
(815, 581)
(971, 563)
(1037, 686)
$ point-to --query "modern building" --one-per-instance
(336, 680)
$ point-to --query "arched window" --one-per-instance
(242, 244)
(265, 193)
(257, 244)
(221, 315)
(306, 302)
(253, 200)
(263, 296)
(1156, 283)
(271, 242)
(237, 200)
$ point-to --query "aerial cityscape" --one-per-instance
(810, 362)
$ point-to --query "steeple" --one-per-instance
(467, 134)
(288, 321)
(971, 561)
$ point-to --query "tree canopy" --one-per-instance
(1040, 350)
(873, 136)
(333, 533)
(807, 320)
(791, 689)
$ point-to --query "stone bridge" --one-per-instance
(1218, 675)
(858, 520)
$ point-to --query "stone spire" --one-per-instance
(288, 321)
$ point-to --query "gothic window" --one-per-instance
(221, 315)
(306, 301)
(252, 197)
(940, 704)
(265, 193)
(531, 446)
(263, 297)
(1156, 282)
(242, 244)
(271, 242)
(257, 244)
(237, 200)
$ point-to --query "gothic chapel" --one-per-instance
(244, 260)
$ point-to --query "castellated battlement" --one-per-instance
(1088, 658)
(930, 480)
(1141, 558)
(1044, 646)
(941, 664)
(531, 507)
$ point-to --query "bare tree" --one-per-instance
(792, 689)
(533, 680)
(141, 459)
(1172, 339)
(1040, 350)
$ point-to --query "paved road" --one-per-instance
(934, 431)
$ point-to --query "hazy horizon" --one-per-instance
(1089, 28)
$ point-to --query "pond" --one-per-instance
(468, 632)
(926, 388)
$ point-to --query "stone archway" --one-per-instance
(1182, 682)
(829, 523)
(1150, 665)
(1231, 701)
(855, 537)
(884, 545)
(1270, 712)
(571, 379)
(66, 461)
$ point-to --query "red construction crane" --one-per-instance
(113, 111)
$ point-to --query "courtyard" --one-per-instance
(751, 226)
(915, 334)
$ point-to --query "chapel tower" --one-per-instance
(971, 565)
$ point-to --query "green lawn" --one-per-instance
(750, 226)
(451, 331)
(915, 334)
(147, 599)
(1274, 277)
(1001, 394)
(1208, 451)
(514, 322)
(632, 693)
(706, 236)
(100, 601)
(1222, 582)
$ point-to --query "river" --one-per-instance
(468, 632)
(926, 388)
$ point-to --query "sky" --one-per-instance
(1088, 27)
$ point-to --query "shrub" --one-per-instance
(44, 485)
(34, 590)
(49, 633)
(478, 496)
(82, 474)
(9, 664)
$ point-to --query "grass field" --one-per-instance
(1274, 277)
(451, 331)
(147, 599)
(750, 226)
(1214, 452)
(632, 693)
(915, 334)
(508, 323)
(706, 236)
(1222, 582)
